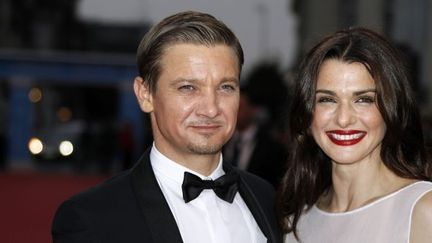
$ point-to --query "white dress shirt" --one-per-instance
(207, 218)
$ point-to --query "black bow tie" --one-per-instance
(225, 186)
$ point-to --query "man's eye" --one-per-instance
(186, 88)
(228, 87)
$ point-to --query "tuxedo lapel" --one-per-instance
(157, 213)
(254, 206)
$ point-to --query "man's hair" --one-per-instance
(188, 27)
(402, 150)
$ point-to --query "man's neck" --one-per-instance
(203, 164)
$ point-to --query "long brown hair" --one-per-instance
(403, 152)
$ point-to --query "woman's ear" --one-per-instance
(143, 94)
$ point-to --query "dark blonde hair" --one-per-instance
(188, 27)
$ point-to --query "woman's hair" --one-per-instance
(189, 27)
(402, 151)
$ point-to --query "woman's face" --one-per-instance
(347, 124)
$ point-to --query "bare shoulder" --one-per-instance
(421, 227)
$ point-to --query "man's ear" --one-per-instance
(143, 94)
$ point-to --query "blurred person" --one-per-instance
(358, 171)
(189, 70)
(253, 147)
(267, 87)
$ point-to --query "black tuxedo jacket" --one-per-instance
(131, 207)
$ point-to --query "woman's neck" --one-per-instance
(357, 185)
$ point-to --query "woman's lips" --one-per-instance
(345, 138)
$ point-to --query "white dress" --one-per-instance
(386, 220)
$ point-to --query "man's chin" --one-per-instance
(205, 149)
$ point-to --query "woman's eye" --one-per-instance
(325, 99)
(366, 99)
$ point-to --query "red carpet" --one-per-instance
(28, 202)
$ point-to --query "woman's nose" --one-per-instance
(346, 115)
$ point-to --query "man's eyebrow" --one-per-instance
(235, 80)
(192, 80)
(186, 80)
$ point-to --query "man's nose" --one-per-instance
(208, 104)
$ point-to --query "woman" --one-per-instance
(358, 171)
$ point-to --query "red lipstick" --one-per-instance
(345, 137)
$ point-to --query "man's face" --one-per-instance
(194, 107)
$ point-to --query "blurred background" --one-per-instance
(68, 115)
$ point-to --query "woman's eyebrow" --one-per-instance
(365, 91)
(356, 93)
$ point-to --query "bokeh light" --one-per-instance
(66, 148)
(35, 95)
(35, 146)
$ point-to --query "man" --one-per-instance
(189, 68)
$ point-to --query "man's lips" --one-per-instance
(346, 137)
(205, 127)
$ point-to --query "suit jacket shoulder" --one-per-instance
(262, 189)
(108, 212)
